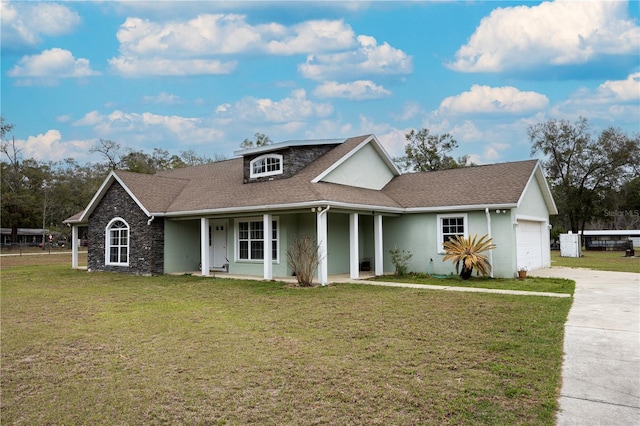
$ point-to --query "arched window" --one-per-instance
(117, 243)
(266, 165)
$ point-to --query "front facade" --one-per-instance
(241, 216)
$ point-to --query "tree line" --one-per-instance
(593, 176)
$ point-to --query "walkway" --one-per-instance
(601, 368)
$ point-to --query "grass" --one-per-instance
(546, 285)
(100, 348)
(600, 260)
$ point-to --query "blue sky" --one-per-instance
(203, 76)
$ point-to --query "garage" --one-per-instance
(529, 241)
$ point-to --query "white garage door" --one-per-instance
(529, 242)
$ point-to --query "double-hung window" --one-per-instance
(250, 239)
(266, 165)
(450, 226)
(117, 243)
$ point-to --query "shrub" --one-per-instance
(400, 258)
(468, 251)
(302, 257)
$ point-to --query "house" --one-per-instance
(26, 236)
(241, 215)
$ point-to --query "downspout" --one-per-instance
(486, 212)
(150, 220)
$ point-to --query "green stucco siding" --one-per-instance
(364, 169)
(181, 246)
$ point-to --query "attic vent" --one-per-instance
(266, 165)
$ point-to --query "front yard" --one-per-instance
(100, 348)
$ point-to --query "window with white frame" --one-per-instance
(266, 165)
(250, 239)
(450, 226)
(117, 243)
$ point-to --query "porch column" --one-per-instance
(378, 248)
(268, 265)
(74, 246)
(323, 275)
(204, 246)
(354, 256)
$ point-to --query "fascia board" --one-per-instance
(272, 207)
(102, 190)
(470, 207)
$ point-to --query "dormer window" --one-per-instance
(266, 165)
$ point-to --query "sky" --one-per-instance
(205, 75)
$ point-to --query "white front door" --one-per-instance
(218, 244)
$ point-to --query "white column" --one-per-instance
(378, 248)
(268, 265)
(354, 256)
(74, 246)
(204, 246)
(323, 277)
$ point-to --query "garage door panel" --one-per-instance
(529, 244)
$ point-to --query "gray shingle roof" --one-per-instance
(219, 187)
(501, 183)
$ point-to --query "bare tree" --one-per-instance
(110, 150)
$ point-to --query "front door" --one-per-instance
(218, 244)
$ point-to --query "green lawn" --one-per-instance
(545, 285)
(600, 260)
(100, 348)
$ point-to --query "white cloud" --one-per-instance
(136, 67)
(187, 47)
(552, 33)
(292, 109)
(49, 66)
(23, 23)
(356, 90)
(369, 59)
(613, 101)
(51, 147)
(163, 98)
(313, 36)
(148, 128)
(492, 100)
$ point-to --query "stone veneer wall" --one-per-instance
(146, 242)
(294, 159)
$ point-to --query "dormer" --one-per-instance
(282, 160)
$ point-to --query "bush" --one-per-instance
(400, 258)
(302, 257)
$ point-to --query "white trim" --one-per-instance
(287, 144)
(236, 239)
(266, 157)
(440, 239)
(107, 243)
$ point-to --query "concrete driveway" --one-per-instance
(601, 368)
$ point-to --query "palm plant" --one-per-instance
(469, 252)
